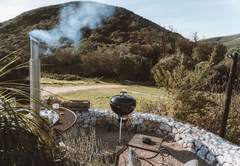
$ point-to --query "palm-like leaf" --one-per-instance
(24, 140)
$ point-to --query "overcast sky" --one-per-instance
(209, 18)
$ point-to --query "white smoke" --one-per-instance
(74, 17)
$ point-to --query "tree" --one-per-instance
(202, 51)
(130, 67)
(182, 83)
(217, 55)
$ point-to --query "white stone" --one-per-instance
(165, 120)
(177, 137)
(211, 158)
(143, 125)
(190, 145)
(237, 160)
(149, 129)
(85, 113)
(214, 150)
(226, 146)
(134, 118)
(78, 114)
(150, 126)
(174, 130)
(136, 123)
(86, 121)
(198, 144)
(227, 157)
(143, 128)
(181, 129)
(220, 159)
(165, 132)
(192, 150)
(232, 152)
(188, 138)
(177, 125)
(188, 126)
(228, 164)
(171, 124)
(159, 132)
(141, 120)
(165, 128)
(80, 120)
(146, 122)
(93, 118)
(202, 153)
(180, 142)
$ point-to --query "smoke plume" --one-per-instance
(74, 17)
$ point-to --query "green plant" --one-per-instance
(24, 140)
(187, 89)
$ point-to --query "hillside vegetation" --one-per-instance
(123, 35)
(123, 46)
(229, 41)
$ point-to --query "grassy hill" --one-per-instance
(122, 27)
(123, 32)
(229, 41)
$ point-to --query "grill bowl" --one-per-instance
(123, 104)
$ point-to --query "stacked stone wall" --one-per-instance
(208, 146)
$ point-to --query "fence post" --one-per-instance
(231, 79)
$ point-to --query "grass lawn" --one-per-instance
(100, 98)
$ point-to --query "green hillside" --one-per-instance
(229, 41)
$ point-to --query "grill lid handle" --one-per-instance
(123, 94)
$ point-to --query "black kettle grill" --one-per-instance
(122, 104)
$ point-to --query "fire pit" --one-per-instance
(122, 105)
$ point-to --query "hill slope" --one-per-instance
(229, 41)
(116, 29)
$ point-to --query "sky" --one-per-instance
(207, 18)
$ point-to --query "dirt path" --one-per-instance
(55, 90)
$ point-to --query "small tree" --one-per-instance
(186, 87)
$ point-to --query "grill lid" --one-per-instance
(122, 104)
(123, 100)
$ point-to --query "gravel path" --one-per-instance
(48, 90)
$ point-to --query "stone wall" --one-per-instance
(208, 146)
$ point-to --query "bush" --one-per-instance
(68, 77)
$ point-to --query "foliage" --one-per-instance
(83, 148)
(67, 77)
(182, 83)
(11, 67)
(25, 138)
(127, 67)
(101, 62)
(122, 30)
